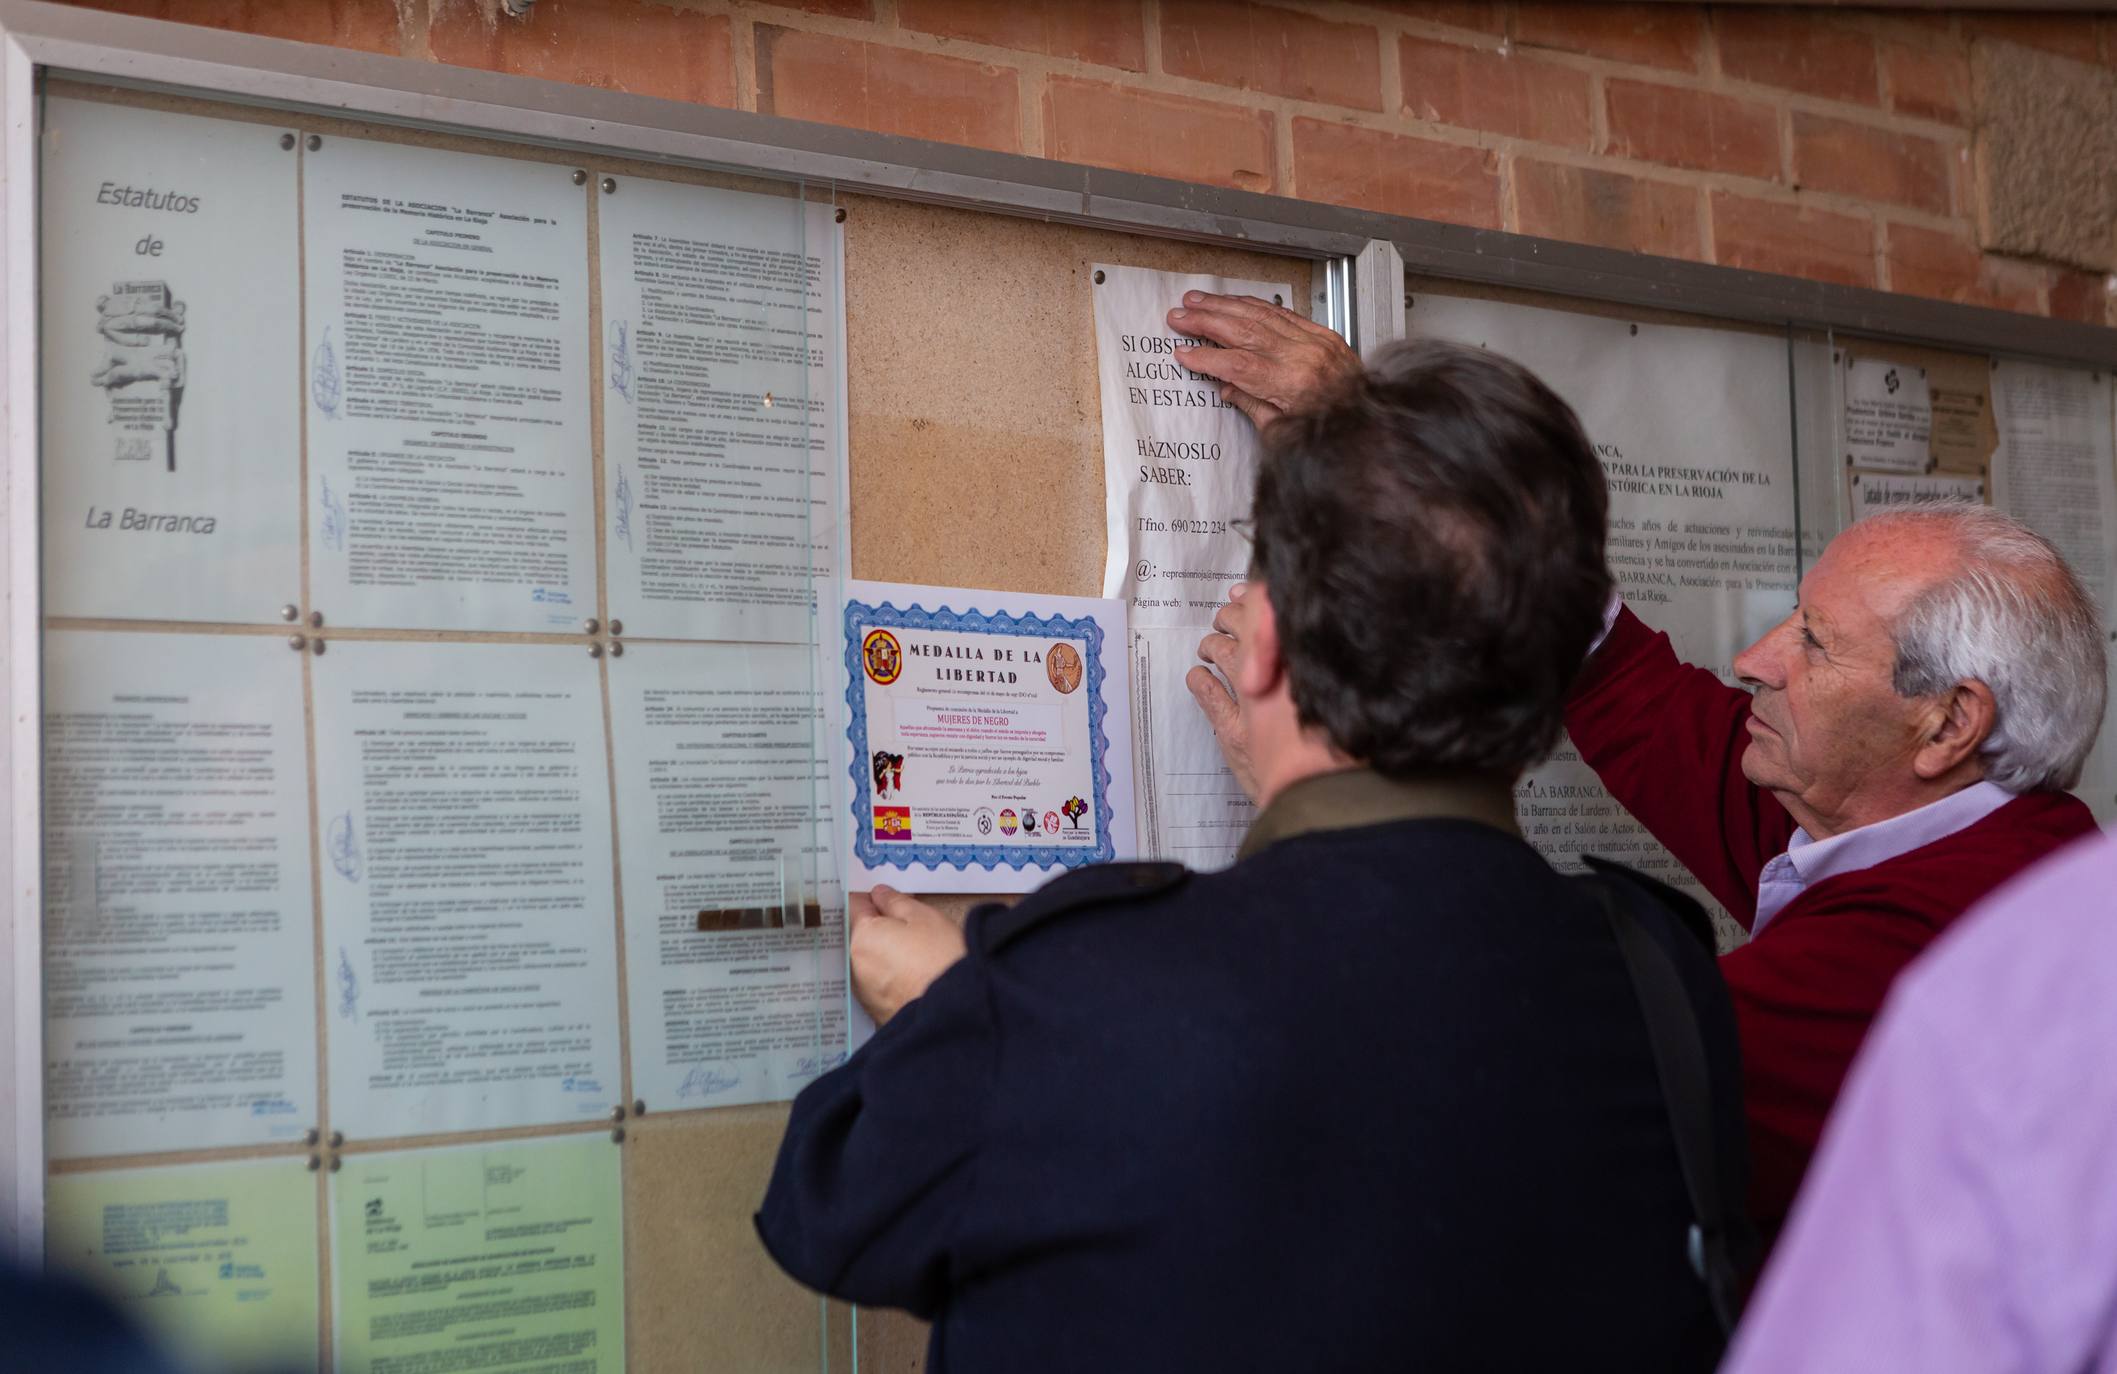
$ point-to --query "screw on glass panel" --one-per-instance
(337, 1139)
(639, 1106)
(617, 1113)
(617, 1135)
(1635, 331)
(286, 141)
(290, 613)
(580, 178)
(316, 620)
(297, 642)
(617, 627)
(595, 651)
(311, 1136)
(315, 142)
(316, 647)
(591, 625)
(840, 216)
(335, 1162)
(609, 186)
(617, 650)
(315, 1162)
(1098, 278)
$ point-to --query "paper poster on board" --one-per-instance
(469, 916)
(734, 909)
(169, 366)
(218, 1262)
(503, 1256)
(450, 455)
(724, 344)
(1179, 472)
(989, 738)
(179, 945)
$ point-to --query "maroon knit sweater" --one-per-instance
(1667, 739)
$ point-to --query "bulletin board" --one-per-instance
(971, 435)
(972, 431)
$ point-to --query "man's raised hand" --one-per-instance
(1269, 360)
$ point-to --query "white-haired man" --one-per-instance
(1904, 747)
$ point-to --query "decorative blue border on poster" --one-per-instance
(859, 619)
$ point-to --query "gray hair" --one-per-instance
(2016, 618)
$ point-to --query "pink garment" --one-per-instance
(1961, 1213)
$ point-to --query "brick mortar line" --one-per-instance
(990, 54)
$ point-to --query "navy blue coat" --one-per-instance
(1374, 1098)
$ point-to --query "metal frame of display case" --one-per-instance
(1362, 255)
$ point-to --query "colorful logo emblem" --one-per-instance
(1007, 822)
(1073, 810)
(1051, 822)
(881, 657)
(892, 822)
(1062, 664)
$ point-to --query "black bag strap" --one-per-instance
(1686, 1090)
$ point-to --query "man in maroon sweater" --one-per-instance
(1903, 748)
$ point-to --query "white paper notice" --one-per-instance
(1191, 810)
(170, 366)
(178, 948)
(734, 914)
(449, 464)
(1873, 493)
(724, 342)
(1888, 415)
(469, 917)
(1179, 472)
(990, 738)
(1179, 464)
(501, 1258)
(1691, 428)
(2058, 474)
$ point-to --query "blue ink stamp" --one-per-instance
(348, 987)
(333, 530)
(324, 386)
(575, 1083)
(344, 847)
(621, 507)
(621, 358)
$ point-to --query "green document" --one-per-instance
(480, 1257)
(218, 1260)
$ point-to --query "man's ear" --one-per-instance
(1964, 721)
(1259, 669)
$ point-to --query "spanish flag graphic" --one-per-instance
(892, 822)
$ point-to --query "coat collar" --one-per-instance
(1360, 796)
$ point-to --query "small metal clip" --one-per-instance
(286, 142)
(617, 627)
(617, 650)
(590, 625)
(609, 186)
(297, 642)
(316, 142)
(580, 178)
(290, 613)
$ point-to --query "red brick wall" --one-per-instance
(1832, 144)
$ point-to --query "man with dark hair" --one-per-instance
(1380, 1095)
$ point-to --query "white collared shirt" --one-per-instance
(1807, 862)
